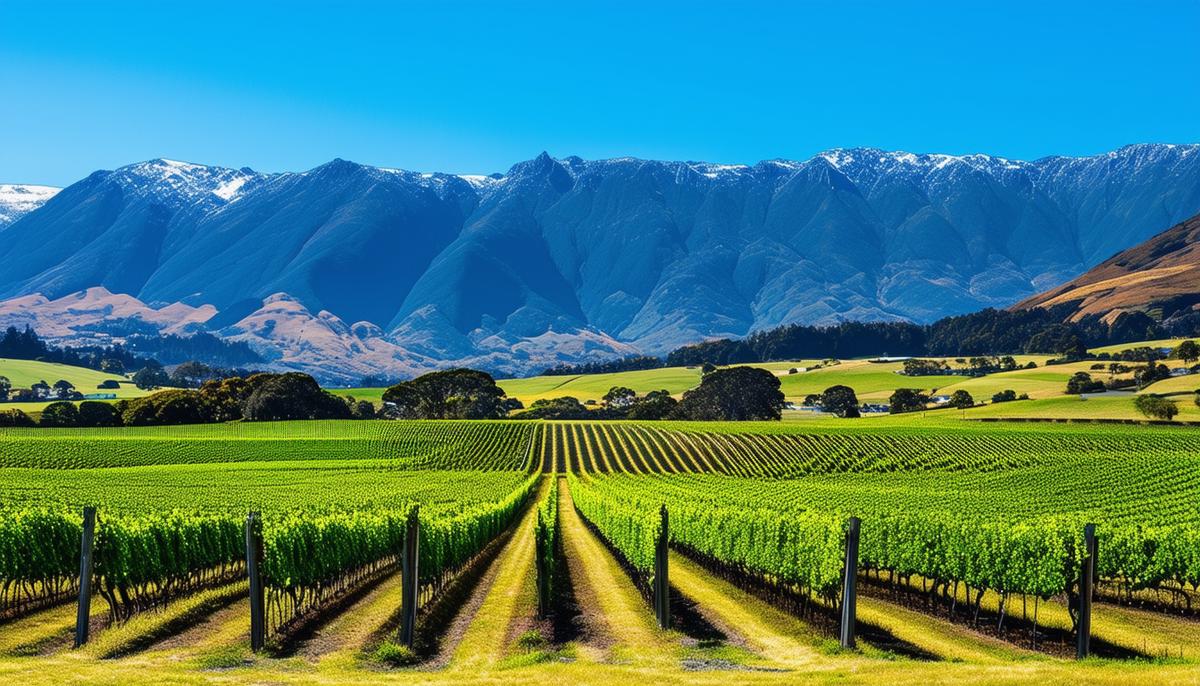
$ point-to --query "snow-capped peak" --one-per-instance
(17, 200)
(182, 182)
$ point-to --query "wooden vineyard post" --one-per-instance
(540, 565)
(1087, 581)
(849, 583)
(662, 584)
(254, 558)
(409, 579)
(83, 614)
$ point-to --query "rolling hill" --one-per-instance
(1160, 277)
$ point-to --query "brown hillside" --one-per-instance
(1164, 267)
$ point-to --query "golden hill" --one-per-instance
(1164, 268)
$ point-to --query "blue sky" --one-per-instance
(471, 88)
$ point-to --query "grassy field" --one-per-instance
(1159, 343)
(676, 380)
(24, 373)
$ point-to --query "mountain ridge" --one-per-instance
(621, 255)
(1160, 275)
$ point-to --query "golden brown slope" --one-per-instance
(1163, 268)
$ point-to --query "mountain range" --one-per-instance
(348, 269)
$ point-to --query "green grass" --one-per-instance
(1186, 385)
(675, 380)
(24, 373)
(1159, 343)
(1073, 407)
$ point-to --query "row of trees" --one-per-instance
(258, 397)
(734, 394)
(975, 366)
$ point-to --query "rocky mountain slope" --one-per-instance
(1160, 277)
(571, 259)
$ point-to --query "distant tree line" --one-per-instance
(627, 364)
(27, 345)
(986, 333)
(200, 347)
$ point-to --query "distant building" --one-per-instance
(940, 399)
(100, 396)
(873, 408)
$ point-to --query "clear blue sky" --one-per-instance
(471, 88)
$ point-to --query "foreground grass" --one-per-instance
(838, 669)
(146, 628)
(485, 642)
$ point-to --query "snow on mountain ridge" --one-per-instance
(181, 183)
(19, 199)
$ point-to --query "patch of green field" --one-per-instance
(675, 380)
(1040, 382)
(874, 381)
(375, 395)
(1160, 343)
(1115, 406)
(1177, 384)
(25, 373)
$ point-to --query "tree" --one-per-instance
(15, 417)
(1152, 372)
(734, 394)
(93, 413)
(363, 409)
(919, 367)
(1156, 406)
(565, 407)
(1188, 351)
(191, 374)
(653, 405)
(225, 397)
(59, 414)
(961, 399)
(291, 395)
(708, 368)
(1082, 383)
(63, 389)
(840, 400)
(1004, 396)
(112, 365)
(451, 394)
(151, 376)
(907, 400)
(5, 387)
(174, 406)
(619, 398)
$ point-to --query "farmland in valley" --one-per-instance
(967, 528)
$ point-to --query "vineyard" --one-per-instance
(410, 444)
(966, 540)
